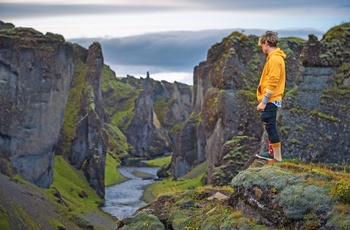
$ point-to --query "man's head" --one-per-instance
(268, 41)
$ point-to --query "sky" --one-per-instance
(168, 38)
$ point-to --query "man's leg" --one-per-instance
(268, 117)
(277, 151)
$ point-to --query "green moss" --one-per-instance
(73, 107)
(250, 94)
(119, 98)
(169, 185)
(294, 141)
(341, 190)
(70, 182)
(291, 92)
(159, 162)
(4, 219)
(161, 106)
(299, 200)
(284, 130)
(112, 175)
(192, 210)
(343, 72)
(142, 221)
(176, 129)
(324, 116)
(337, 92)
(299, 129)
(117, 143)
(297, 111)
(210, 112)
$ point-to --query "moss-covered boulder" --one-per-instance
(280, 198)
(141, 221)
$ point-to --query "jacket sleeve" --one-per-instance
(273, 75)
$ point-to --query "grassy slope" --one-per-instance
(72, 191)
(168, 186)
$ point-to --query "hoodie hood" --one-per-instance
(276, 52)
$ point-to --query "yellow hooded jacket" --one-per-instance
(273, 77)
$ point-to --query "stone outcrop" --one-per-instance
(277, 198)
(311, 122)
(35, 73)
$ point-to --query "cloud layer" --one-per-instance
(168, 52)
(198, 24)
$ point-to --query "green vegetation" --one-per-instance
(250, 95)
(294, 141)
(212, 215)
(112, 175)
(4, 224)
(143, 221)
(324, 116)
(284, 130)
(291, 92)
(71, 183)
(302, 189)
(169, 186)
(119, 98)
(76, 197)
(161, 105)
(159, 162)
(70, 119)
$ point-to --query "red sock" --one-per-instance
(270, 148)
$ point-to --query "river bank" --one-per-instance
(125, 198)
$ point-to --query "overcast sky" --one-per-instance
(169, 37)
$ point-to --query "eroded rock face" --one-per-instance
(188, 153)
(35, 73)
(314, 115)
(156, 109)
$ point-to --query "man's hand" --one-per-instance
(261, 106)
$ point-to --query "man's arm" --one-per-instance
(265, 100)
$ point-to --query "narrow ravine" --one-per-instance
(124, 199)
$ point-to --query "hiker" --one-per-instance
(270, 91)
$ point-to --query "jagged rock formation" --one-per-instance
(83, 138)
(35, 73)
(311, 121)
(147, 112)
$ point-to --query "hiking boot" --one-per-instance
(265, 155)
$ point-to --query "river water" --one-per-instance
(124, 199)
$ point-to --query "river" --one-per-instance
(125, 198)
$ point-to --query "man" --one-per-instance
(270, 91)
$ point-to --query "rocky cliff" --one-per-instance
(147, 112)
(35, 74)
(51, 103)
(312, 121)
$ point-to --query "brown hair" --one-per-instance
(270, 37)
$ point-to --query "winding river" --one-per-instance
(124, 199)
